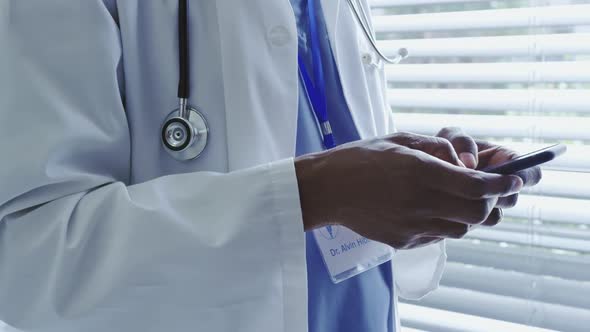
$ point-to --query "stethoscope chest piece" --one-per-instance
(185, 137)
(184, 132)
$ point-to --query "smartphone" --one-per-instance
(528, 160)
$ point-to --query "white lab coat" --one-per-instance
(100, 229)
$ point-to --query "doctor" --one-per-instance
(105, 228)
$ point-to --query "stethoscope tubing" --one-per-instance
(363, 20)
(185, 131)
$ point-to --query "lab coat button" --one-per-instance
(367, 58)
(279, 35)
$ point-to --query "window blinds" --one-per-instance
(518, 73)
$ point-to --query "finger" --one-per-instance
(495, 155)
(468, 183)
(448, 229)
(443, 150)
(464, 145)
(457, 209)
(530, 176)
(494, 218)
(444, 229)
(507, 202)
(438, 147)
(425, 241)
(484, 145)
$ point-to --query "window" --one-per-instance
(516, 72)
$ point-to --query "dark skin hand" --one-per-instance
(477, 154)
(404, 189)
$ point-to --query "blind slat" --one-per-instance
(486, 19)
(391, 3)
(563, 184)
(548, 127)
(578, 233)
(497, 46)
(517, 284)
(517, 72)
(554, 209)
(533, 239)
(523, 311)
(498, 100)
(537, 262)
(431, 319)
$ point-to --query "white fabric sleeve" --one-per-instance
(80, 249)
(417, 272)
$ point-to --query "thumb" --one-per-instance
(464, 145)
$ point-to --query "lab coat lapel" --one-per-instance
(346, 47)
(260, 80)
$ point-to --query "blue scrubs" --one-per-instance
(365, 302)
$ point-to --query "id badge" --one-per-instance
(347, 253)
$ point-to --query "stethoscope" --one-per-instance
(185, 131)
(362, 18)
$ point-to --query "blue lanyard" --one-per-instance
(316, 90)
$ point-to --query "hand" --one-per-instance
(404, 190)
(478, 154)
